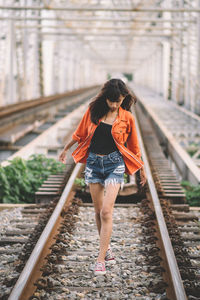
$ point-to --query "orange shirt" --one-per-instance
(123, 131)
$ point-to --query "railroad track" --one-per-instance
(23, 122)
(180, 222)
(61, 264)
(177, 130)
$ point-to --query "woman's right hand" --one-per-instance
(62, 156)
(143, 178)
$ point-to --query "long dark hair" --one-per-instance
(111, 90)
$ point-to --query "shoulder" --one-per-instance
(86, 120)
(127, 115)
(87, 113)
(88, 110)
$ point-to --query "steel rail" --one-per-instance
(177, 284)
(98, 8)
(182, 159)
(21, 106)
(28, 270)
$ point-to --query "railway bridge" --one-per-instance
(54, 57)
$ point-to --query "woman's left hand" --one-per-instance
(143, 178)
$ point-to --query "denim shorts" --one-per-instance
(106, 169)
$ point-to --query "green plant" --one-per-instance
(21, 178)
(81, 183)
(126, 178)
(192, 193)
(192, 149)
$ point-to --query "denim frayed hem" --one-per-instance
(87, 182)
(114, 181)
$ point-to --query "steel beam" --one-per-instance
(102, 28)
(108, 34)
(97, 19)
(103, 39)
(11, 50)
(99, 8)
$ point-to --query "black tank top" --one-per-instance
(102, 141)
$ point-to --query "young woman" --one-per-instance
(108, 144)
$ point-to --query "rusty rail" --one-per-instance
(25, 105)
(28, 271)
(178, 291)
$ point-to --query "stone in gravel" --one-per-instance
(152, 295)
(53, 282)
(64, 289)
(81, 258)
(7, 215)
(73, 295)
(112, 274)
(127, 291)
(70, 257)
(81, 295)
(162, 297)
(52, 298)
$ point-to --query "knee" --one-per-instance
(98, 213)
(106, 214)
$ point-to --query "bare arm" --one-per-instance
(143, 178)
(62, 156)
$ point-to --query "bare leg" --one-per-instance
(97, 194)
(106, 219)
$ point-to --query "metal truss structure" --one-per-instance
(53, 46)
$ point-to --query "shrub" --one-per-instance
(21, 179)
(192, 193)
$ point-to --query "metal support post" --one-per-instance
(160, 71)
(25, 58)
(166, 68)
(40, 58)
(10, 90)
(187, 76)
(71, 67)
(180, 84)
(55, 69)
(197, 96)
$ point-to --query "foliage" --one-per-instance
(126, 178)
(81, 183)
(192, 193)
(192, 149)
(129, 76)
(21, 179)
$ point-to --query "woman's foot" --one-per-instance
(99, 268)
(109, 258)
